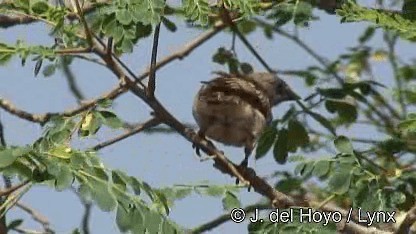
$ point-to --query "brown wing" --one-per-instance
(233, 90)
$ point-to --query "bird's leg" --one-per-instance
(247, 153)
(194, 146)
(244, 163)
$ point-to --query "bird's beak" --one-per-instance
(292, 96)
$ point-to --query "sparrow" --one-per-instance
(234, 109)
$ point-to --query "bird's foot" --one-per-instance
(244, 166)
(198, 149)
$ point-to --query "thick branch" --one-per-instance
(408, 221)
(8, 191)
(38, 217)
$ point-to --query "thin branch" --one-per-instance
(43, 118)
(227, 19)
(38, 217)
(92, 60)
(10, 21)
(391, 42)
(70, 51)
(141, 127)
(9, 107)
(226, 217)
(152, 77)
(2, 138)
(86, 218)
(27, 231)
(185, 50)
(71, 80)
(303, 45)
(6, 179)
(87, 30)
(8, 191)
(110, 57)
(109, 46)
(119, 89)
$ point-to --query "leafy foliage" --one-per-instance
(51, 160)
(403, 24)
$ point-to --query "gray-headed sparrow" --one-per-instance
(234, 109)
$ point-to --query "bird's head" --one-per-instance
(277, 90)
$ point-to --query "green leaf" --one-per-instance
(110, 119)
(162, 201)
(230, 201)
(124, 219)
(14, 224)
(40, 7)
(90, 124)
(346, 110)
(215, 190)
(297, 135)
(266, 141)
(105, 103)
(8, 156)
(85, 192)
(196, 10)
(135, 185)
(64, 178)
(367, 35)
(323, 121)
(321, 168)
(246, 68)
(120, 179)
(76, 231)
(104, 197)
(247, 26)
(409, 124)
(344, 145)
(38, 66)
(299, 168)
(124, 16)
(153, 221)
(49, 70)
(280, 150)
(169, 24)
(100, 173)
(148, 190)
(340, 180)
(389, 20)
(409, 9)
(308, 169)
(60, 151)
(303, 13)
